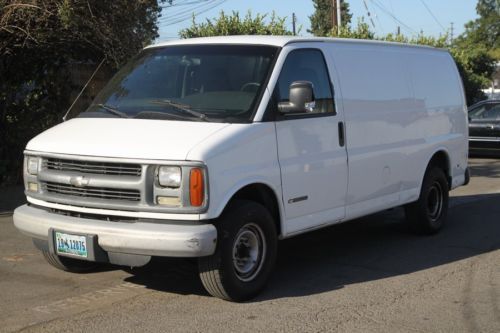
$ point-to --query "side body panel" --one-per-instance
(402, 105)
(439, 94)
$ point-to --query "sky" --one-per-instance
(433, 17)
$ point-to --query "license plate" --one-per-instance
(71, 244)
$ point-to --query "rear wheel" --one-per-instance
(245, 253)
(428, 214)
(69, 264)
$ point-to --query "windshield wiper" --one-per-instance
(112, 110)
(181, 107)
(160, 115)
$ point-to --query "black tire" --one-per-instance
(70, 264)
(428, 214)
(245, 231)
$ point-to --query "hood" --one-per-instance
(124, 138)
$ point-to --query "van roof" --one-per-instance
(279, 41)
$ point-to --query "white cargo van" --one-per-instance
(215, 148)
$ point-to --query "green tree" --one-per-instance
(321, 19)
(361, 31)
(477, 49)
(40, 41)
(476, 67)
(483, 32)
(225, 25)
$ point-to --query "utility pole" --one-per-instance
(334, 15)
(339, 17)
(293, 23)
(398, 31)
(451, 32)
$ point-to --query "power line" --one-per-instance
(369, 14)
(433, 16)
(379, 22)
(451, 32)
(188, 14)
(392, 7)
(186, 6)
(387, 12)
(176, 14)
(179, 7)
(183, 3)
(393, 16)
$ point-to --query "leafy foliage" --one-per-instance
(476, 67)
(477, 49)
(39, 43)
(361, 31)
(321, 19)
(484, 31)
(233, 24)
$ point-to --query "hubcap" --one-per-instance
(249, 251)
(435, 200)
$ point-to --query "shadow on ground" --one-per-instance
(485, 168)
(375, 247)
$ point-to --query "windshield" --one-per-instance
(220, 83)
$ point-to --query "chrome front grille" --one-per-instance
(108, 183)
(92, 192)
(91, 167)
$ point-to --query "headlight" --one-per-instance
(169, 176)
(181, 186)
(32, 165)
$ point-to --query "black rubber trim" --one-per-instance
(467, 176)
(120, 219)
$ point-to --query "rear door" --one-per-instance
(311, 149)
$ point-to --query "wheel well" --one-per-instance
(440, 159)
(263, 195)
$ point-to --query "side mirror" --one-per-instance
(301, 98)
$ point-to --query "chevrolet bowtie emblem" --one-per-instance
(79, 181)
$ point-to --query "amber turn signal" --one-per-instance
(196, 187)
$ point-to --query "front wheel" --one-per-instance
(428, 214)
(245, 254)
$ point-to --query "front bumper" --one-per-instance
(139, 238)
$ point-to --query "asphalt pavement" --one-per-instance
(368, 275)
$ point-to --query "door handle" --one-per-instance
(341, 134)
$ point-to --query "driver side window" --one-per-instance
(306, 65)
